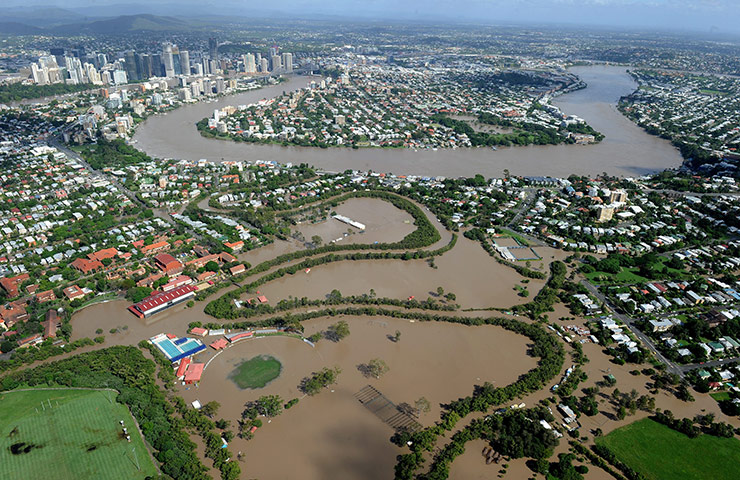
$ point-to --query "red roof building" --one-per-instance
(161, 301)
(34, 339)
(262, 298)
(227, 257)
(11, 285)
(200, 331)
(194, 372)
(101, 255)
(46, 296)
(177, 282)
(219, 344)
(237, 269)
(86, 266)
(73, 292)
(206, 276)
(13, 313)
(155, 247)
(50, 324)
(235, 247)
(201, 262)
(182, 368)
(168, 264)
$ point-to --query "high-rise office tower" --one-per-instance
(220, 85)
(263, 65)
(258, 59)
(274, 50)
(131, 68)
(157, 65)
(249, 64)
(213, 48)
(102, 60)
(275, 63)
(287, 62)
(144, 65)
(168, 60)
(185, 62)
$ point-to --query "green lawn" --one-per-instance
(624, 276)
(661, 453)
(720, 396)
(78, 438)
(257, 372)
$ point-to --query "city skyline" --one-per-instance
(713, 16)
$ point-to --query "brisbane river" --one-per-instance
(625, 151)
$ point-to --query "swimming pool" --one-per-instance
(169, 348)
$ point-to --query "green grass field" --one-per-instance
(720, 396)
(78, 438)
(661, 453)
(624, 276)
(257, 372)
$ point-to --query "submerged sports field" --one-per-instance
(69, 434)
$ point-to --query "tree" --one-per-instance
(6, 346)
(397, 336)
(270, 405)
(422, 406)
(209, 409)
(440, 291)
(338, 331)
(316, 240)
(319, 380)
(211, 266)
(376, 368)
(137, 294)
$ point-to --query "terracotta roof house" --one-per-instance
(13, 313)
(73, 292)
(46, 296)
(237, 269)
(11, 284)
(86, 266)
(50, 323)
(155, 247)
(101, 255)
(227, 257)
(168, 264)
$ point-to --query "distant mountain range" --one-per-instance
(57, 21)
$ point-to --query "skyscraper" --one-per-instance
(213, 48)
(287, 62)
(249, 64)
(185, 62)
(168, 60)
(275, 63)
(157, 67)
(263, 65)
(131, 68)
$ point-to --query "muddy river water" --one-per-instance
(332, 435)
(626, 150)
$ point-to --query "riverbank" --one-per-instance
(625, 151)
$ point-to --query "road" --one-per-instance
(671, 367)
(53, 141)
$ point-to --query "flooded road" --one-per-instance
(626, 150)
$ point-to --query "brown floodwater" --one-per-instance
(332, 435)
(476, 279)
(626, 150)
(383, 223)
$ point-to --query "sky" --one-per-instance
(698, 15)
